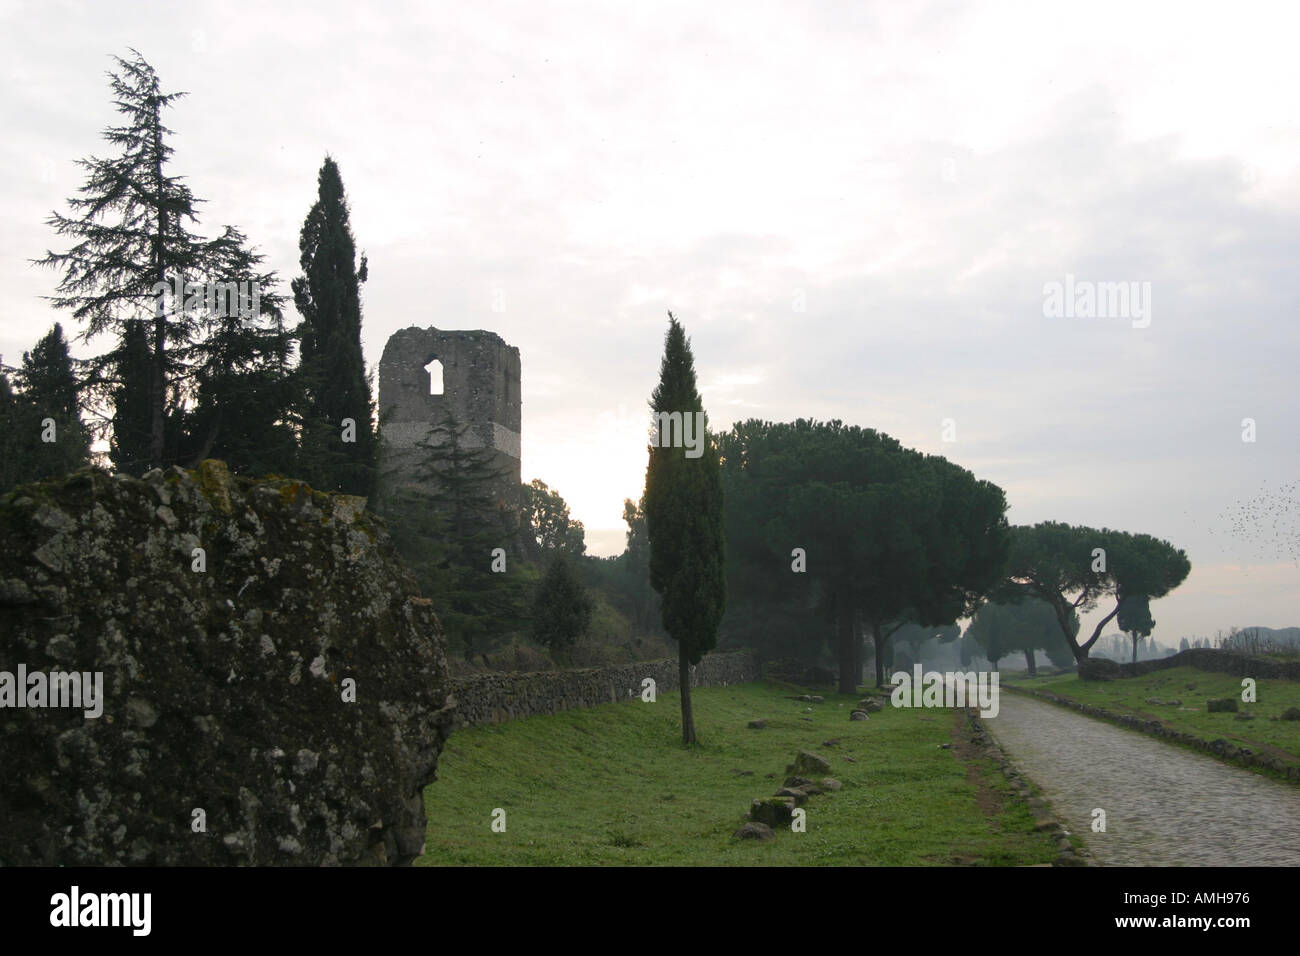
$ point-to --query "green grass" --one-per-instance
(613, 785)
(1279, 738)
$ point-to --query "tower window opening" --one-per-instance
(434, 368)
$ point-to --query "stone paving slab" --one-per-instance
(1165, 806)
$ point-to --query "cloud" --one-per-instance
(852, 210)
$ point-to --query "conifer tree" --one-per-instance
(447, 526)
(245, 389)
(16, 422)
(139, 272)
(1135, 619)
(562, 607)
(332, 369)
(132, 222)
(684, 524)
(40, 415)
(127, 370)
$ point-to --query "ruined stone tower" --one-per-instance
(480, 387)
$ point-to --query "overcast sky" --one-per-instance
(854, 209)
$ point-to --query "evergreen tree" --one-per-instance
(562, 608)
(245, 389)
(138, 271)
(447, 526)
(115, 271)
(332, 368)
(684, 520)
(1135, 620)
(15, 436)
(50, 389)
(41, 432)
(967, 646)
(642, 599)
(128, 369)
(1024, 627)
(48, 379)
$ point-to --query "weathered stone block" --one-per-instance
(294, 691)
(773, 811)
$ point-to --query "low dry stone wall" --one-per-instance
(1202, 658)
(497, 698)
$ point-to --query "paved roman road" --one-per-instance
(1165, 806)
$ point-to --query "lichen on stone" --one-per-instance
(197, 675)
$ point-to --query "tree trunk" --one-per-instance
(859, 641)
(1029, 662)
(158, 381)
(1096, 633)
(847, 655)
(878, 643)
(1135, 649)
(208, 441)
(684, 680)
(857, 654)
(157, 399)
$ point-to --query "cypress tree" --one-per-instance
(684, 523)
(335, 383)
(128, 369)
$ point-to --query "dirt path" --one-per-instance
(1165, 806)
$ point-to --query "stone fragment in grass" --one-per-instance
(755, 831)
(808, 763)
(773, 811)
(830, 783)
(758, 724)
(859, 715)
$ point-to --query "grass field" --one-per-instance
(1279, 738)
(613, 785)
